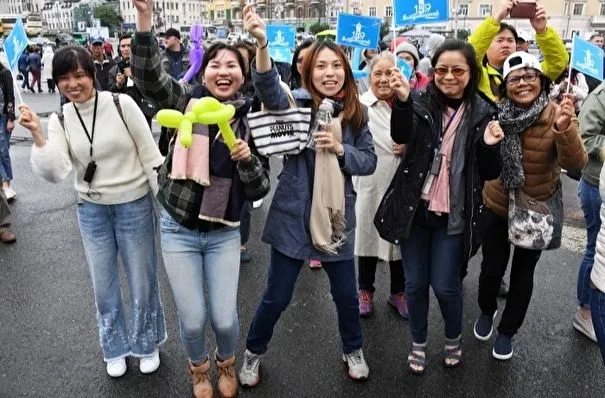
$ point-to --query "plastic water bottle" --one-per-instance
(323, 119)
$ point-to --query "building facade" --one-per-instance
(168, 13)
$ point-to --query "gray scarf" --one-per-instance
(514, 120)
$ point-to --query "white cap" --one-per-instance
(524, 35)
(520, 60)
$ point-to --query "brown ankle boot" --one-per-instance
(201, 385)
(227, 380)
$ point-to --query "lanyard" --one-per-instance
(90, 136)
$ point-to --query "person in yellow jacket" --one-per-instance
(494, 41)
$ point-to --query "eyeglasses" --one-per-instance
(458, 72)
(527, 78)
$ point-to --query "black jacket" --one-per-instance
(102, 72)
(418, 124)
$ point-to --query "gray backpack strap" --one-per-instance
(116, 101)
(61, 119)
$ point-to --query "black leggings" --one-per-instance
(367, 274)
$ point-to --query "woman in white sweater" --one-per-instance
(110, 146)
(597, 275)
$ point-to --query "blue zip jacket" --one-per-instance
(287, 226)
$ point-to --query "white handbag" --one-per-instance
(284, 132)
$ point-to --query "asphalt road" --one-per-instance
(49, 341)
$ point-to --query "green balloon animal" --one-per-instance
(206, 110)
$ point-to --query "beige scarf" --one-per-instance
(328, 223)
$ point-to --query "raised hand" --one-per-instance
(143, 6)
(493, 133)
(505, 9)
(539, 21)
(29, 119)
(399, 84)
(144, 14)
(565, 112)
(254, 24)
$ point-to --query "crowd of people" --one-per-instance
(419, 173)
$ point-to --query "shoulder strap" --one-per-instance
(116, 102)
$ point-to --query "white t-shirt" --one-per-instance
(122, 154)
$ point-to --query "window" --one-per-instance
(485, 10)
(602, 10)
(463, 9)
(220, 14)
(388, 12)
(578, 9)
(372, 11)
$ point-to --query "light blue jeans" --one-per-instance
(191, 258)
(128, 229)
(6, 171)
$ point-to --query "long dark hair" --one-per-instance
(295, 78)
(353, 111)
(468, 52)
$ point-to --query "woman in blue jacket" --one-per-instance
(294, 226)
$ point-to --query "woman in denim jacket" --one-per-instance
(291, 229)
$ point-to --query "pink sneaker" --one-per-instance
(400, 302)
(314, 264)
(366, 303)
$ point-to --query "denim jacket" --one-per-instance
(287, 226)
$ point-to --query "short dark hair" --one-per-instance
(468, 52)
(124, 36)
(249, 48)
(212, 52)
(172, 32)
(69, 58)
(504, 26)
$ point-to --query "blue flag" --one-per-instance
(15, 43)
(405, 68)
(587, 58)
(280, 54)
(281, 36)
(418, 12)
(358, 31)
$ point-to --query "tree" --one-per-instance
(319, 27)
(108, 16)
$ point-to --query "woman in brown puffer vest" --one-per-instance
(540, 138)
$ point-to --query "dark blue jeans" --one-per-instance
(590, 200)
(283, 272)
(597, 309)
(431, 257)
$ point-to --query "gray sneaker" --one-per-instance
(358, 368)
(249, 374)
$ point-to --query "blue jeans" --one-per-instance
(128, 229)
(283, 272)
(6, 171)
(432, 258)
(590, 199)
(192, 257)
(597, 309)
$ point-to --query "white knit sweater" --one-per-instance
(121, 157)
(598, 269)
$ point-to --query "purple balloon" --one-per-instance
(196, 54)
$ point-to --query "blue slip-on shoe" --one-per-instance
(503, 347)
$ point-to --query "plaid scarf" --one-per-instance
(514, 120)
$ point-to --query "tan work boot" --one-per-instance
(227, 380)
(201, 385)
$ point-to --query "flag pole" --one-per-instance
(394, 28)
(16, 86)
(573, 44)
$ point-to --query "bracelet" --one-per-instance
(263, 47)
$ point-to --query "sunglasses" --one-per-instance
(458, 72)
(527, 78)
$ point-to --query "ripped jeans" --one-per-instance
(128, 229)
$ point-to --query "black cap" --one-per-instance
(172, 32)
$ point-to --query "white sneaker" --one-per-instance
(10, 193)
(116, 367)
(249, 373)
(584, 326)
(257, 203)
(150, 364)
(358, 368)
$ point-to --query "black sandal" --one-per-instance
(416, 359)
(453, 354)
